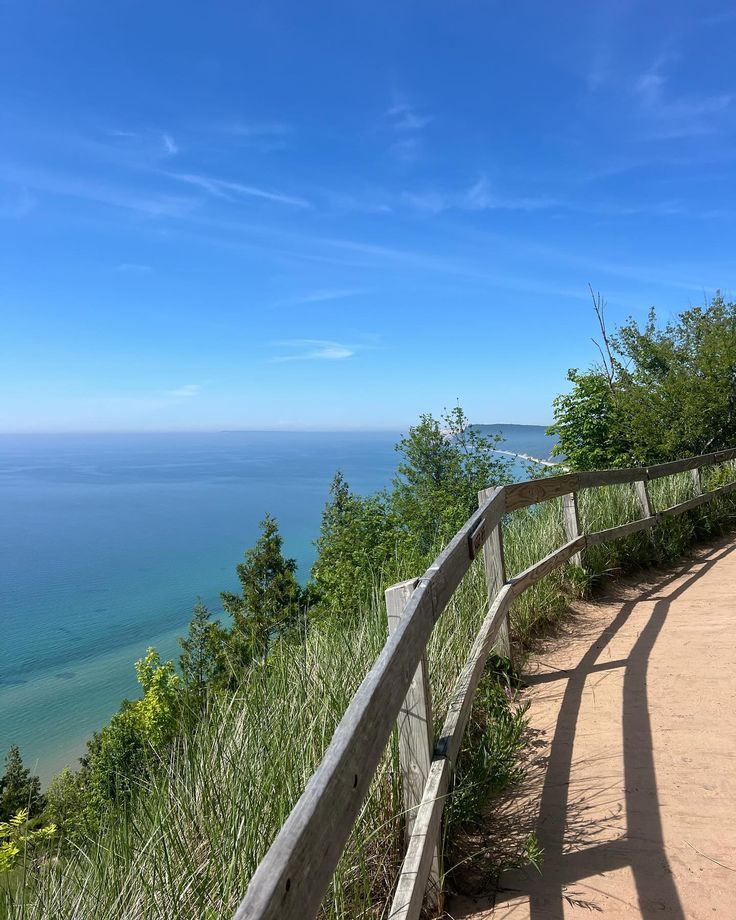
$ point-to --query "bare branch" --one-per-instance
(609, 362)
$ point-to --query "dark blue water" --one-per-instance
(106, 541)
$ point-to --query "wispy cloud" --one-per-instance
(717, 19)
(673, 116)
(372, 201)
(480, 196)
(184, 392)
(170, 145)
(431, 202)
(319, 296)
(139, 147)
(315, 350)
(254, 130)
(599, 71)
(261, 137)
(148, 203)
(16, 205)
(141, 405)
(404, 119)
(133, 268)
(406, 124)
(224, 188)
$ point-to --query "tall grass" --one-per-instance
(534, 532)
(195, 833)
(196, 830)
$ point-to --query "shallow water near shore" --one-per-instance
(106, 541)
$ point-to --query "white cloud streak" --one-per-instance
(315, 350)
(266, 129)
(318, 297)
(404, 119)
(170, 145)
(478, 197)
(148, 203)
(223, 188)
(185, 392)
(674, 116)
(407, 125)
(17, 205)
(133, 268)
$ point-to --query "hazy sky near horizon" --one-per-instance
(324, 215)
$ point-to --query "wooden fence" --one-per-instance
(291, 880)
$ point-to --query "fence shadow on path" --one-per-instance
(573, 851)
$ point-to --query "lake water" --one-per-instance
(106, 541)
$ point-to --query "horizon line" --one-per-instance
(341, 430)
(316, 430)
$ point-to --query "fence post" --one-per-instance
(415, 736)
(571, 517)
(496, 578)
(697, 483)
(642, 494)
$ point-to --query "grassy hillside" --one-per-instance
(197, 827)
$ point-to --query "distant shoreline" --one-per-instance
(512, 453)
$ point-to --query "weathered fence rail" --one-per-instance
(291, 880)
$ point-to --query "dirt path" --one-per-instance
(632, 787)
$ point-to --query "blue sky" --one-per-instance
(327, 215)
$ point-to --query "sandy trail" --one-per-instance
(632, 784)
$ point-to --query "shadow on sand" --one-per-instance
(575, 847)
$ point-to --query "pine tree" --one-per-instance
(356, 547)
(18, 788)
(201, 659)
(271, 600)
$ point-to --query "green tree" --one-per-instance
(392, 535)
(588, 425)
(660, 392)
(202, 660)
(356, 550)
(271, 601)
(119, 755)
(18, 788)
(158, 707)
(67, 799)
(446, 462)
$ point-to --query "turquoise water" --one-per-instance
(106, 541)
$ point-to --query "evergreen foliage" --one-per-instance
(271, 602)
(202, 659)
(356, 549)
(19, 789)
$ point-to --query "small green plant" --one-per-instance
(532, 853)
(17, 837)
(489, 759)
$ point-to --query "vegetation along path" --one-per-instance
(632, 788)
